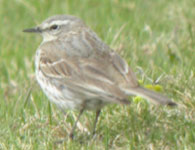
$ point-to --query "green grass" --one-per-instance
(157, 38)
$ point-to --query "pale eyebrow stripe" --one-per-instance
(58, 22)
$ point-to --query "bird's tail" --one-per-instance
(150, 95)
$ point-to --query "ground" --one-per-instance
(157, 39)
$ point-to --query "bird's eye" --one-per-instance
(54, 27)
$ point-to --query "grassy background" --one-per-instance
(157, 38)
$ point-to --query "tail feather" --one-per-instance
(150, 95)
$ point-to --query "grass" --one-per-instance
(157, 38)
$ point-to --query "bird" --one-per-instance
(78, 71)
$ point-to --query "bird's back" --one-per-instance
(82, 61)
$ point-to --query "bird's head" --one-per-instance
(57, 26)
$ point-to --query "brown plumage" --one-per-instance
(76, 70)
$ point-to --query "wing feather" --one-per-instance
(100, 70)
(77, 73)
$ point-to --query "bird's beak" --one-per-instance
(34, 30)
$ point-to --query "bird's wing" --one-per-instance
(89, 67)
(100, 76)
(83, 60)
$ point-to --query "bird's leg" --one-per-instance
(75, 124)
(96, 120)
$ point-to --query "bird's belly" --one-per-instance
(66, 98)
(63, 99)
